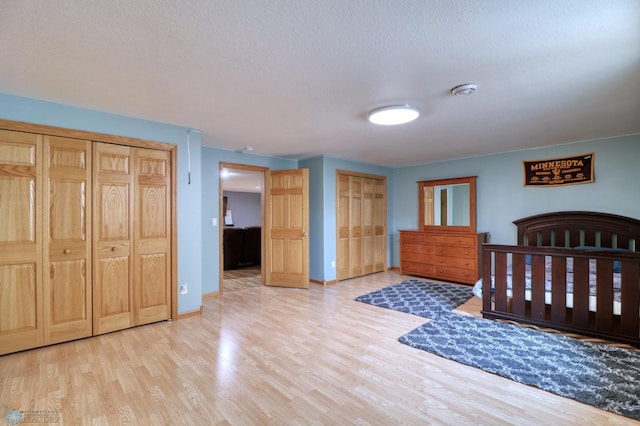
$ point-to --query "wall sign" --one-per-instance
(559, 171)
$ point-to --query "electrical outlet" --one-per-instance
(333, 264)
(214, 221)
(184, 289)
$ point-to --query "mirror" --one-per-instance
(448, 203)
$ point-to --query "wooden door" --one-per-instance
(368, 226)
(361, 218)
(152, 239)
(113, 186)
(380, 225)
(21, 320)
(287, 228)
(67, 246)
(344, 229)
(355, 223)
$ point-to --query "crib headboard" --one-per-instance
(577, 228)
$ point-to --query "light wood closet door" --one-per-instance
(113, 184)
(368, 226)
(356, 251)
(344, 229)
(380, 225)
(21, 320)
(67, 246)
(361, 225)
(152, 239)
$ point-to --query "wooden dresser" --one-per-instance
(442, 255)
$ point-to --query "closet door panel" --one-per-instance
(344, 241)
(113, 236)
(21, 320)
(355, 220)
(368, 241)
(152, 241)
(67, 249)
(380, 225)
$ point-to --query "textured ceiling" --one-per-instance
(296, 78)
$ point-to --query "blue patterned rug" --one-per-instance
(599, 375)
(422, 298)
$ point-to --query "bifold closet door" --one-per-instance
(132, 237)
(380, 225)
(344, 228)
(361, 225)
(113, 185)
(152, 237)
(67, 241)
(21, 320)
(356, 249)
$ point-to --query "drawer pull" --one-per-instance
(114, 248)
(67, 251)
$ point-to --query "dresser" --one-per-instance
(443, 255)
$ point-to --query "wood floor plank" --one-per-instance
(268, 355)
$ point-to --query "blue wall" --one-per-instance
(189, 195)
(245, 208)
(502, 198)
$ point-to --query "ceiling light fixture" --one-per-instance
(464, 89)
(394, 114)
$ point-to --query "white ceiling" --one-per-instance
(295, 78)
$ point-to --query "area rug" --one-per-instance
(422, 298)
(596, 374)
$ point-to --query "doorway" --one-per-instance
(241, 227)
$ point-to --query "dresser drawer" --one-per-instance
(465, 252)
(418, 269)
(456, 274)
(456, 262)
(459, 240)
(418, 248)
(428, 258)
(421, 237)
(412, 237)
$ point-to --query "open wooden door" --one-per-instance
(287, 228)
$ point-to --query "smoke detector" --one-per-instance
(464, 89)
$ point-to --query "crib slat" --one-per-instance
(581, 292)
(604, 294)
(537, 287)
(518, 302)
(606, 239)
(559, 289)
(630, 299)
(501, 282)
(487, 256)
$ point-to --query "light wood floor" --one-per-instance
(275, 356)
(241, 279)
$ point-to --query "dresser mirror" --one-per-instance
(447, 204)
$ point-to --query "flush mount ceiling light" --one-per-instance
(464, 89)
(394, 114)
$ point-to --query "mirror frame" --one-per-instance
(471, 180)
